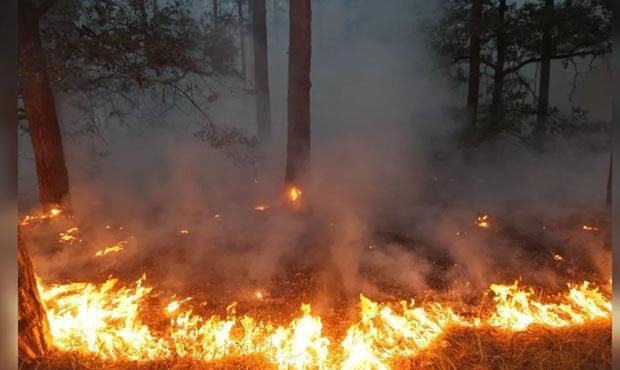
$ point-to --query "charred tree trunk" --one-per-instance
(545, 70)
(474, 67)
(34, 338)
(40, 110)
(242, 41)
(300, 50)
(498, 78)
(261, 70)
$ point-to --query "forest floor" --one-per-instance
(585, 347)
(577, 347)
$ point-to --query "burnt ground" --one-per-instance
(304, 278)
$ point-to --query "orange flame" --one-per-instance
(104, 319)
(294, 193)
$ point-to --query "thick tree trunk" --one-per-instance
(498, 78)
(545, 70)
(300, 50)
(40, 111)
(474, 66)
(261, 70)
(242, 41)
(33, 328)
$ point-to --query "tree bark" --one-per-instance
(300, 50)
(216, 12)
(261, 70)
(474, 64)
(242, 41)
(609, 182)
(34, 337)
(40, 110)
(498, 78)
(545, 70)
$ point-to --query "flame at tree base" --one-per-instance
(106, 320)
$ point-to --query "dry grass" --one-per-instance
(587, 347)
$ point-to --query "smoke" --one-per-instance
(390, 201)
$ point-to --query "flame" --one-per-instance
(184, 231)
(483, 221)
(261, 208)
(54, 212)
(105, 320)
(294, 193)
(589, 228)
(516, 310)
(111, 249)
(68, 236)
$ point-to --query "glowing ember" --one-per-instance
(259, 295)
(483, 221)
(557, 257)
(184, 231)
(590, 228)
(105, 320)
(294, 193)
(261, 208)
(68, 236)
(111, 249)
(52, 213)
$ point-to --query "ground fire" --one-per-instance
(117, 321)
(313, 185)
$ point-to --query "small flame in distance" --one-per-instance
(294, 193)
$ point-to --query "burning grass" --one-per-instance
(115, 326)
(583, 347)
(120, 324)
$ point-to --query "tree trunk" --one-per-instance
(609, 177)
(40, 111)
(242, 41)
(474, 65)
(216, 12)
(300, 50)
(545, 70)
(498, 78)
(33, 328)
(261, 70)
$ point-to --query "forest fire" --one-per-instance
(107, 320)
(452, 214)
(54, 212)
(294, 193)
(111, 249)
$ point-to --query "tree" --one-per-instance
(511, 42)
(609, 177)
(300, 50)
(242, 41)
(500, 46)
(474, 64)
(261, 70)
(545, 68)
(34, 337)
(216, 12)
(39, 106)
(100, 52)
